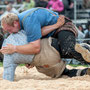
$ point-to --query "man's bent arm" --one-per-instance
(47, 29)
(31, 48)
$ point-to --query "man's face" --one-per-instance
(8, 9)
(10, 29)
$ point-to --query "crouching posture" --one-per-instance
(48, 61)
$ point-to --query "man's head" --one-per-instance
(10, 23)
(9, 7)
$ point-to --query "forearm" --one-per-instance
(30, 48)
(47, 29)
(27, 49)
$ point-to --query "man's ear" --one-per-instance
(15, 23)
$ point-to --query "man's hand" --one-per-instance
(9, 49)
(29, 66)
(27, 49)
(60, 21)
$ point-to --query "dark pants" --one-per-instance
(65, 44)
(73, 72)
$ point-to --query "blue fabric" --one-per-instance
(11, 61)
(35, 21)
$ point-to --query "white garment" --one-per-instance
(12, 11)
(81, 35)
(85, 31)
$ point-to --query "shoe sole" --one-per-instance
(85, 45)
(84, 52)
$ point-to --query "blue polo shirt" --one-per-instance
(34, 21)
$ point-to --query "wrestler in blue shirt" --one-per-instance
(34, 20)
(31, 21)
